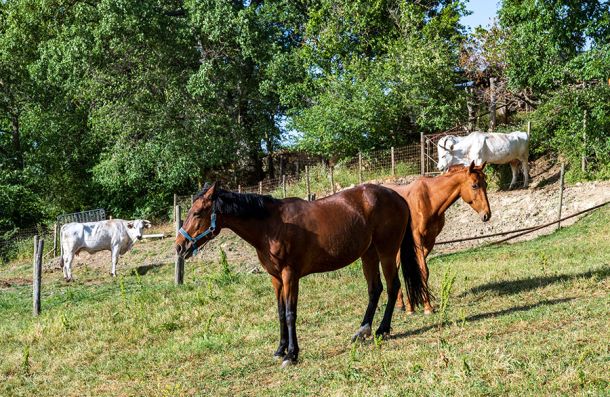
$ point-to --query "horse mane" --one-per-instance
(247, 205)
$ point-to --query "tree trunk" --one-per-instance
(17, 142)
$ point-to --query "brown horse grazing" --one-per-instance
(294, 238)
(428, 199)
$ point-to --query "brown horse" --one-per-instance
(428, 199)
(294, 238)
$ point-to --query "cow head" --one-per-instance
(200, 224)
(474, 191)
(135, 228)
(445, 148)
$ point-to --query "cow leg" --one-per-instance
(115, 259)
(68, 265)
(514, 166)
(526, 172)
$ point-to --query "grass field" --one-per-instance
(524, 319)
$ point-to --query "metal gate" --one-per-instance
(430, 149)
(84, 216)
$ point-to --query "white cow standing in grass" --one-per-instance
(115, 235)
(481, 147)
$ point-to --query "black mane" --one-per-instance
(247, 205)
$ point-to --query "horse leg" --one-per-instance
(514, 166)
(290, 292)
(420, 257)
(400, 301)
(281, 310)
(370, 267)
(390, 273)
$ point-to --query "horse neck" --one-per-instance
(252, 230)
(446, 190)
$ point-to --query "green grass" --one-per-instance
(523, 319)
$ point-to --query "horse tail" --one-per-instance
(415, 285)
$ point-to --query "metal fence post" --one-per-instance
(37, 274)
(307, 182)
(359, 167)
(284, 185)
(179, 263)
(422, 156)
(55, 238)
(393, 164)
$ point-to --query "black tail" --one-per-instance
(415, 285)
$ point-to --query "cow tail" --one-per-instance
(415, 285)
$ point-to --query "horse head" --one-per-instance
(473, 190)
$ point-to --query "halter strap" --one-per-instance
(195, 239)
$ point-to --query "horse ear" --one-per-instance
(483, 165)
(471, 167)
(211, 192)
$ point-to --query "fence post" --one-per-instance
(422, 156)
(393, 164)
(179, 263)
(529, 128)
(175, 200)
(560, 196)
(332, 178)
(55, 237)
(307, 182)
(37, 274)
(238, 188)
(260, 187)
(192, 199)
(359, 167)
(583, 160)
(284, 185)
(492, 104)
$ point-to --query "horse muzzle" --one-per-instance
(485, 216)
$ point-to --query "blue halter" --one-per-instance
(195, 239)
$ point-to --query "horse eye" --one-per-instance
(475, 186)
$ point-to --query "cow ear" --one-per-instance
(130, 225)
(147, 224)
(471, 168)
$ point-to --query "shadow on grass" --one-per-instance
(527, 284)
(483, 316)
(142, 270)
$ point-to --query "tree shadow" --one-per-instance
(483, 316)
(527, 284)
(142, 270)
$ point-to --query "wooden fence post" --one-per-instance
(560, 196)
(192, 199)
(422, 160)
(359, 167)
(37, 274)
(238, 188)
(332, 178)
(583, 160)
(175, 200)
(179, 263)
(284, 185)
(55, 238)
(260, 187)
(492, 104)
(529, 128)
(307, 182)
(393, 164)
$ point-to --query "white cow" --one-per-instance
(116, 236)
(481, 147)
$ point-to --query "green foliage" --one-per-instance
(560, 126)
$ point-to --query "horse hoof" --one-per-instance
(288, 362)
(362, 333)
(385, 334)
(278, 356)
(402, 308)
(410, 312)
(429, 312)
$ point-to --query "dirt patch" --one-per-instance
(14, 282)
